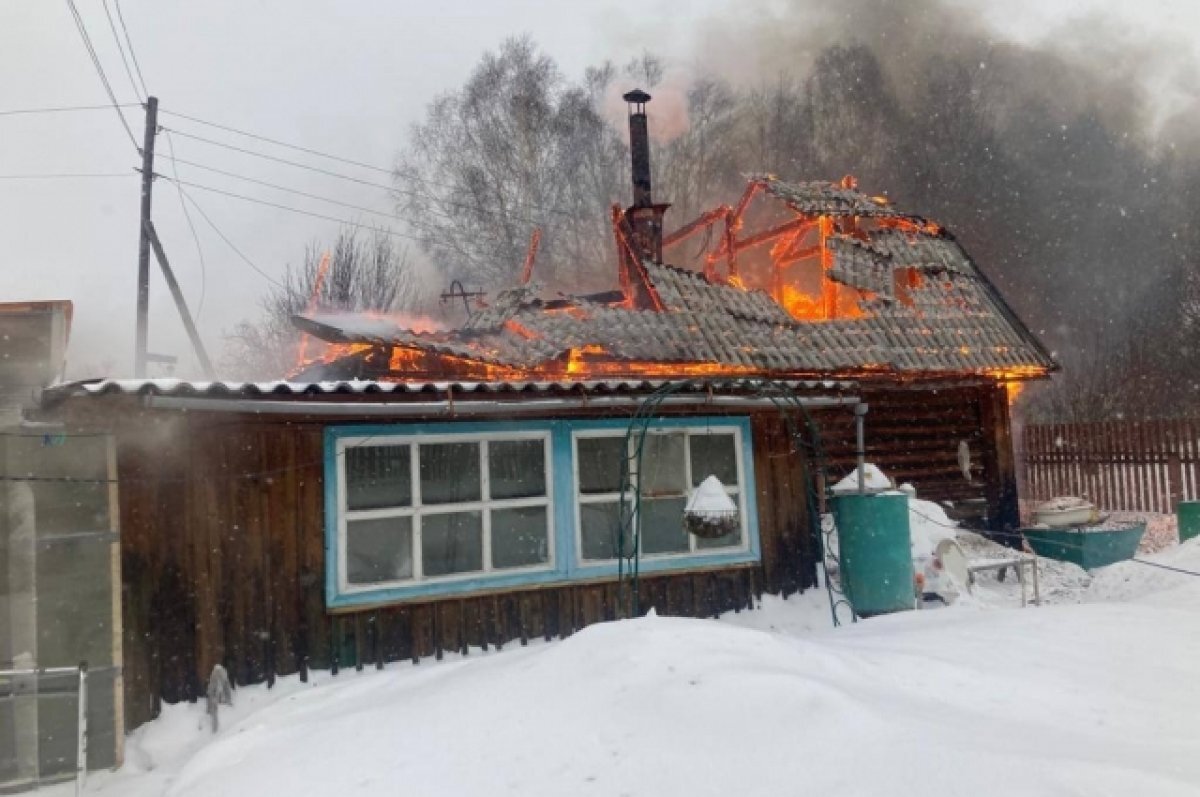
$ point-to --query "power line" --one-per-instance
(318, 197)
(64, 109)
(59, 175)
(477, 208)
(292, 209)
(136, 66)
(230, 243)
(277, 142)
(120, 49)
(284, 161)
(297, 192)
(191, 226)
(87, 43)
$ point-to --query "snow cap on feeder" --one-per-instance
(710, 512)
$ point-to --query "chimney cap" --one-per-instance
(636, 96)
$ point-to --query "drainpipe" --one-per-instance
(860, 446)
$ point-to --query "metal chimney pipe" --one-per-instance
(639, 147)
(645, 218)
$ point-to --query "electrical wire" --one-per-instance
(136, 66)
(144, 92)
(290, 209)
(87, 43)
(278, 187)
(59, 175)
(121, 49)
(64, 109)
(230, 243)
(191, 226)
(1013, 535)
(475, 208)
(279, 143)
(285, 161)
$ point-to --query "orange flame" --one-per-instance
(318, 284)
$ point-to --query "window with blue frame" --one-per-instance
(673, 463)
(417, 510)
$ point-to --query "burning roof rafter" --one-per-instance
(906, 299)
(826, 281)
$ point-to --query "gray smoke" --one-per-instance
(1069, 168)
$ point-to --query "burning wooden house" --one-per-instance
(407, 493)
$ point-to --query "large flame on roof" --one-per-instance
(314, 351)
(822, 254)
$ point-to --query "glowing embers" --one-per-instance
(906, 281)
(594, 360)
(370, 330)
(1014, 379)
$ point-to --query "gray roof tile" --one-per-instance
(951, 320)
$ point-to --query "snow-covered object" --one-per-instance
(1125, 581)
(1084, 699)
(873, 478)
(710, 512)
(928, 525)
(1065, 511)
(710, 497)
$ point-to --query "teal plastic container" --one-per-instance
(875, 552)
(1189, 520)
(1085, 547)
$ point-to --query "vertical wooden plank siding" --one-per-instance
(223, 547)
(1144, 466)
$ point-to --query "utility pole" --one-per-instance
(143, 286)
(180, 304)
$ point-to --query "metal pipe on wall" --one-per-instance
(860, 444)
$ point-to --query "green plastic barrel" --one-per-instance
(875, 552)
(1189, 520)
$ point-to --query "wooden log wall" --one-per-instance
(1140, 466)
(223, 547)
(913, 435)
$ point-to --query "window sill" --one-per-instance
(527, 582)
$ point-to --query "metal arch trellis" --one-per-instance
(806, 446)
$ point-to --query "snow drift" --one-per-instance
(1062, 700)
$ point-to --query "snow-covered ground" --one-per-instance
(1096, 696)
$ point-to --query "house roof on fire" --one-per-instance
(949, 319)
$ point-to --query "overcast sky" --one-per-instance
(341, 76)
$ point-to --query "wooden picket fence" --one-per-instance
(1142, 466)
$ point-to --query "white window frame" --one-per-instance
(738, 493)
(417, 510)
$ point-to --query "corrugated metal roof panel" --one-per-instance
(299, 390)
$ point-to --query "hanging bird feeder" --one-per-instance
(710, 512)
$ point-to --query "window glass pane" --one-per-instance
(378, 476)
(519, 537)
(379, 550)
(517, 468)
(713, 455)
(452, 543)
(598, 530)
(662, 465)
(449, 473)
(600, 462)
(728, 541)
(662, 526)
